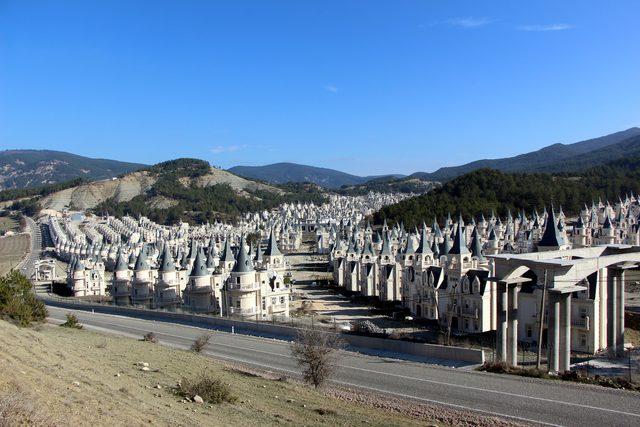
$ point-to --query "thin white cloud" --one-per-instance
(227, 148)
(468, 22)
(220, 149)
(331, 88)
(547, 27)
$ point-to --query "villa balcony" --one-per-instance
(168, 300)
(581, 323)
(141, 299)
(198, 290)
(472, 312)
(123, 293)
(242, 311)
(243, 288)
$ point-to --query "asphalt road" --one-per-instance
(520, 399)
(28, 264)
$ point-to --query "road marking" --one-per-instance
(467, 408)
(560, 402)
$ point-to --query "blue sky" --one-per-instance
(362, 86)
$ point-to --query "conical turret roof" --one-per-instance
(199, 265)
(227, 254)
(141, 263)
(243, 262)
(476, 245)
(121, 263)
(423, 247)
(459, 240)
(272, 246)
(166, 264)
(552, 236)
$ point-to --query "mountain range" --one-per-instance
(281, 173)
(553, 158)
(33, 168)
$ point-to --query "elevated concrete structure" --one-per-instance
(592, 277)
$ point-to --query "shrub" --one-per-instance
(20, 409)
(18, 303)
(150, 337)
(200, 343)
(210, 389)
(72, 322)
(315, 352)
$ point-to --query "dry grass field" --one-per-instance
(12, 250)
(58, 376)
(8, 224)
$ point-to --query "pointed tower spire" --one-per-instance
(121, 264)
(476, 245)
(243, 262)
(460, 240)
(272, 246)
(167, 265)
(199, 265)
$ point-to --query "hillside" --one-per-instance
(32, 168)
(58, 376)
(281, 173)
(487, 190)
(183, 188)
(389, 185)
(554, 158)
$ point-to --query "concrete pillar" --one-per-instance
(612, 338)
(565, 332)
(604, 309)
(553, 333)
(501, 331)
(513, 326)
(620, 313)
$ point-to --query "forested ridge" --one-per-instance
(200, 204)
(486, 190)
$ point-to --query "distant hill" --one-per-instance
(389, 185)
(554, 158)
(33, 168)
(487, 190)
(281, 173)
(177, 189)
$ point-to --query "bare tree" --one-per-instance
(316, 353)
(200, 343)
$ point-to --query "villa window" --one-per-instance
(583, 312)
(281, 300)
(583, 340)
(529, 331)
(238, 280)
(238, 304)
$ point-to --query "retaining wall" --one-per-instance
(363, 344)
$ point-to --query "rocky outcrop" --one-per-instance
(88, 196)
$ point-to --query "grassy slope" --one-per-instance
(12, 250)
(8, 224)
(42, 364)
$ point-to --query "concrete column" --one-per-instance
(565, 351)
(604, 308)
(553, 333)
(513, 326)
(501, 331)
(620, 313)
(613, 311)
